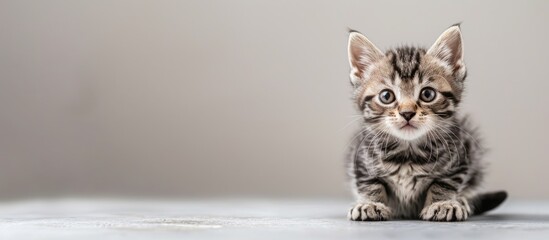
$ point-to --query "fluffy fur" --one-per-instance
(415, 157)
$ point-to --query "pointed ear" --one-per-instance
(449, 48)
(362, 54)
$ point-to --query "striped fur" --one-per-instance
(429, 169)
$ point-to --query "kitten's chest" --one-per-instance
(406, 182)
(406, 190)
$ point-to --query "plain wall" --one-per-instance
(238, 98)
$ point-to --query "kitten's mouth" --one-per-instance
(408, 126)
(408, 131)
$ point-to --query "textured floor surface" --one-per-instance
(249, 219)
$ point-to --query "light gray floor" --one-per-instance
(249, 219)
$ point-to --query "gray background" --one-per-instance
(241, 98)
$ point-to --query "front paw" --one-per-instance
(445, 211)
(372, 211)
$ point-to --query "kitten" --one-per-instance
(414, 158)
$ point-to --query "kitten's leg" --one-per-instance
(444, 203)
(371, 205)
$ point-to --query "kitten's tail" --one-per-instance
(485, 202)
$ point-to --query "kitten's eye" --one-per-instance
(427, 94)
(387, 96)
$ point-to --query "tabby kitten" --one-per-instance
(414, 157)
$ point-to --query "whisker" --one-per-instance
(355, 160)
(350, 123)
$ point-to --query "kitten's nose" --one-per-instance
(407, 115)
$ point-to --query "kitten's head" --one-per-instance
(408, 91)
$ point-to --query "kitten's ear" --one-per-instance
(449, 48)
(362, 54)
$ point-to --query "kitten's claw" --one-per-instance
(372, 211)
(445, 211)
